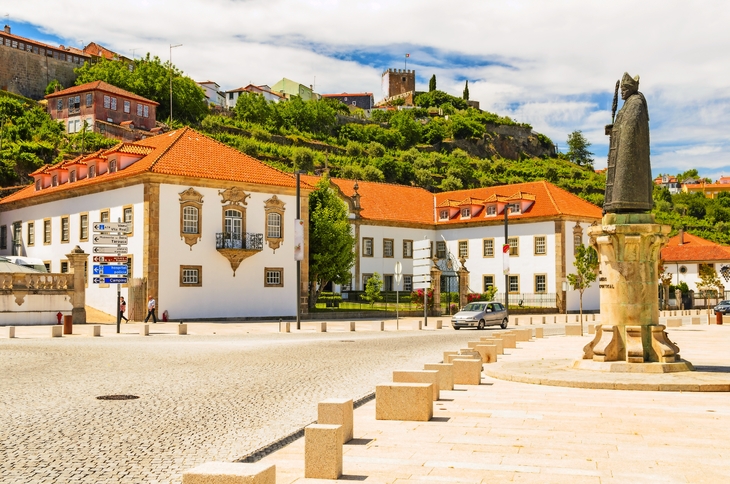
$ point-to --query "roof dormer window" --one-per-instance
(443, 214)
(92, 171)
(112, 166)
(37, 184)
(466, 212)
(491, 211)
(72, 176)
(514, 208)
(54, 181)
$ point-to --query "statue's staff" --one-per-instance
(615, 102)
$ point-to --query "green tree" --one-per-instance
(709, 283)
(432, 83)
(466, 90)
(586, 266)
(331, 243)
(578, 149)
(53, 86)
(253, 108)
(373, 286)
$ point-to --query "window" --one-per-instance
(64, 229)
(191, 205)
(127, 106)
(113, 104)
(72, 176)
(54, 181)
(146, 111)
(466, 212)
(577, 237)
(84, 227)
(47, 263)
(233, 224)
(367, 247)
(514, 284)
(491, 210)
(107, 102)
(139, 110)
(47, 231)
(514, 208)
(74, 104)
(92, 171)
(488, 247)
(191, 276)
(3, 236)
(38, 184)
(104, 216)
(443, 214)
(273, 225)
(17, 237)
(387, 247)
(89, 100)
(408, 249)
(540, 245)
(514, 246)
(463, 249)
(64, 267)
(112, 166)
(274, 210)
(488, 282)
(440, 249)
(128, 215)
(274, 277)
(190, 220)
(365, 279)
(408, 283)
(31, 233)
(540, 283)
(59, 105)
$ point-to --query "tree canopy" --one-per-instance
(586, 267)
(578, 149)
(432, 83)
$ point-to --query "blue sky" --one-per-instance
(551, 64)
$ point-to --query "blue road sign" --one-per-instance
(109, 280)
(110, 270)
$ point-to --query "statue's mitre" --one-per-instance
(630, 82)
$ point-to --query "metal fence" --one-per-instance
(235, 240)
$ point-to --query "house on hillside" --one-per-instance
(362, 100)
(106, 109)
(213, 95)
(709, 190)
(264, 90)
(97, 52)
(546, 224)
(211, 228)
(291, 88)
(669, 182)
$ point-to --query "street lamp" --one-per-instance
(299, 242)
(169, 67)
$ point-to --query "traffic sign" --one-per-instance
(111, 239)
(109, 280)
(398, 272)
(112, 227)
(120, 249)
(110, 270)
(110, 258)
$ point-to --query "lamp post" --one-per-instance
(299, 255)
(506, 272)
(169, 67)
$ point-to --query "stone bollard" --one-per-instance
(56, 331)
(517, 321)
(572, 329)
(11, 331)
(404, 401)
(544, 319)
(494, 341)
(230, 473)
(378, 326)
(446, 374)
(539, 333)
(284, 327)
(182, 329)
(96, 330)
(352, 326)
(523, 334)
(467, 371)
(337, 411)
(593, 316)
(419, 376)
(531, 323)
(417, 325)
(674, 322)
(320, 327)
(488, 352)
(448, 355)
(144, 330)
(322, 451)
(509, 340)
(439, 324)
(695, 320)
(591, 329)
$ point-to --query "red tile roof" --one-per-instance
(100, 86)
(694, 249)
(184, 152)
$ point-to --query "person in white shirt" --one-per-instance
(151, 310)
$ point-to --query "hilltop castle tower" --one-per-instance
(398, 81)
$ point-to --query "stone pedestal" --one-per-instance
(77, 258)
(628, 247)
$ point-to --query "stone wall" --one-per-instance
(29, 299)
(28, 74)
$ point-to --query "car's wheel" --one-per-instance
(457, 328)
(504, 323)
(480, 325)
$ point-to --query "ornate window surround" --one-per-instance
(191, 198)
(274, 206)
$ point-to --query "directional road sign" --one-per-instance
(109, 270)
(112, 227)
(109, 280)
(120, 249)
(110, 239)
(110, 258)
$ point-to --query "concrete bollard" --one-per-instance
(144, 330)
(417, 325)
(467, 371)
(448, 355)
(322, 451)
(320, 327)
(539, 333)
(572, 329)
(337, 411)
(494, 341)
(230, 473)
(11, 331)
(695, 320)
(467, 353)
(593, 316)
(182, 329)
(523, 334)
(544, 319)
(96, 330)
(439, 324)
(419, 376)
(591, 329)
(517, 321)
(446, 374)
(404, 401)
(531, 323)
(284, 327)
(56, 331)
(674, 322)
(378, 326)
(352, 326)
(488, 352)
(509, 340)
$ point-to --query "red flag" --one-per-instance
(408, 55)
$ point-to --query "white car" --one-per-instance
(479, 315)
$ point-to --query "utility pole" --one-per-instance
(169, 67)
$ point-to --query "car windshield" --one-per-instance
(724, 303)
(474, 307)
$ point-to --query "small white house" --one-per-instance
(686, 253)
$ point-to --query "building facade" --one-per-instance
(359, 100)
(685, 254)
(395, 82)
(213, 95)
(292, 88)
(264, 90)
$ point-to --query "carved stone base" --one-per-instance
(625, 367)
(236, 256)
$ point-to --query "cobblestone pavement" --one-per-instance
(202, 396)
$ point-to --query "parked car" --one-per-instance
(479, 315)
(723, 307)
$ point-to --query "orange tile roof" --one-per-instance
(184, 152)
(100, 86)
(694, 249)
(99, 50)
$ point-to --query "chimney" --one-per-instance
(7, 29)
(681, 236)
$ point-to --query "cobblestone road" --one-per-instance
(202, 397)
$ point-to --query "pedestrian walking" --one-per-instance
(123, 308)
(151, 310)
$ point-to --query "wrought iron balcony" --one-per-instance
(231, 240)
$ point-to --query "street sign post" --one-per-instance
(112, 227)
(422, 271)
(109, 280)
(120, 249)
(104, 239)
(110, 270)
(398, 276)
(110, 258)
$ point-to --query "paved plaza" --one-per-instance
(227, 390)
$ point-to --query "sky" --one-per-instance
(553, 64)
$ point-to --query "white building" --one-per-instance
(213, 94)
(546, 224)
(212, 228)
(685, 253)
(231, 96)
